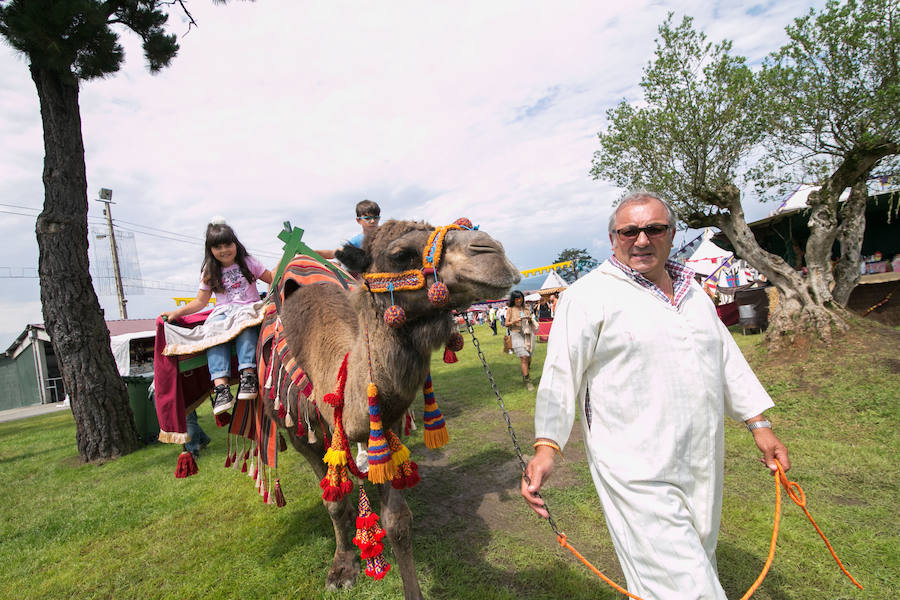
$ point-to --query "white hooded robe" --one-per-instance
(660, 380)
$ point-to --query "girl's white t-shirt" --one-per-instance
(237, 289)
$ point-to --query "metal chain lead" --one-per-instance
(509, 427)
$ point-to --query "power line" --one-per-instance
(172, 236)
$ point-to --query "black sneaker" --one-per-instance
(249, 388)
(222, 399)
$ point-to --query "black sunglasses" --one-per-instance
(651, 231)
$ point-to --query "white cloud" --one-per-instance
(290, 110)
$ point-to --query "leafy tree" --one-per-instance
(836, 89)
(582, 262)
(705, 118)
(66, 42)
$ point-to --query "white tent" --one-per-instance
(707, 257)
(121, 349)
(553, 283)
(798, 199)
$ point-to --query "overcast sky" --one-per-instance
(285, 110)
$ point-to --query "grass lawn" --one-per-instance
(129, 529)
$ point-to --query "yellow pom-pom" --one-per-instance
(371, 390)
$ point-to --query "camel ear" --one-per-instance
(353, 258)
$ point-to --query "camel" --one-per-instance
(323, 322)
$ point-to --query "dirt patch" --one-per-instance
(481, 492)
(861, 339)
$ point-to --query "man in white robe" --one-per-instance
(638, 349)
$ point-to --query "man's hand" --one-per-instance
(772, 448)
(538, 471)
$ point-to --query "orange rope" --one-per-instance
(794, 492)
(800, 500)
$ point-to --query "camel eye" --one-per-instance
(403, 256)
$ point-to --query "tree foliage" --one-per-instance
(835, 88)
(696, 126)
(582, 262)
(76, 36)
(823, 110)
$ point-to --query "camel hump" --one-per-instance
(304, 270)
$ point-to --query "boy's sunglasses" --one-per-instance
(370, 219)
(651, 231)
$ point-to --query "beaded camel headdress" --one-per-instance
(414, 279)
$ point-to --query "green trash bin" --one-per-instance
(142, 406)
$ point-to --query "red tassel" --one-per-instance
(266, 497)
(186, 465)
(450, 356)
(244, 466)
(377, 567)
(279, 495)
(368, 538)
(227, 460)
(301, 428)
(282, 412)
(337, 396)
(332, 494)
(223, 419)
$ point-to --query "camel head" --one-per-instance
(410, 256)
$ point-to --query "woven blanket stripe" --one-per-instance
(243, 419)
(268, 446)
(303, 270)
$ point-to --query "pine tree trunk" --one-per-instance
(72, 315)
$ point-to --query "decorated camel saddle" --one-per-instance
(342, 360)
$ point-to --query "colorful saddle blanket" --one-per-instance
(283, 383)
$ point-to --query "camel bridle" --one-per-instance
(414, 279)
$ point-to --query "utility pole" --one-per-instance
(106, 198)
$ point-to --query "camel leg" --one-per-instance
(345, 566)
(396, 518)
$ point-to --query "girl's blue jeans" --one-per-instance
(218, 358)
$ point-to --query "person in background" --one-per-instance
(520, 322)
(198, 440)
(638, 350)
(230, 273)
(492, 319)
